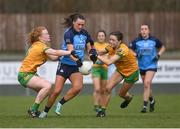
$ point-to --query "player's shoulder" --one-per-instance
(85, 32)
(123, 48)
(153, 38)
(139, 38)
(68, 32)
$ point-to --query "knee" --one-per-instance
(55, 92)
(103, 91)
(108, 90)
(48, 88)
(97, 90)
(77, 89)
(147, 84)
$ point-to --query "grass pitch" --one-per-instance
(78, 113)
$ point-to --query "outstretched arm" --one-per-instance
(108, 61)
(54, 52)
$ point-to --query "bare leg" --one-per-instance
(96, 93)
(42, 86)
(112, 82)
(59, 83)
(77, 83)
(147, 84)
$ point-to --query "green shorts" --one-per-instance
(100, 72)
(24, 78)
(134, 77)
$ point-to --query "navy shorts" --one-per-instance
(143, 72)
(65, 70)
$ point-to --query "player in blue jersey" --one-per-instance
(75, 39)
(148, 50)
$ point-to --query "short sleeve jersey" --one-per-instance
(35, 57)
(127, 63)
(78, 40)
(146, 50)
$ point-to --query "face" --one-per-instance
(78, 24)
(45, 37)
(113, 41)
(145, 31)
(101, 37)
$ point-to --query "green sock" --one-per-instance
(103, 109)
(35, 106)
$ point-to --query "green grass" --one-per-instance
(78, 113)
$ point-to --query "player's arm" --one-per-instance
(160, 47)
(89, 47)
(53, 58)
(54, 54)
(106, 50)
(68, 38)
(120, 53)
(107, 60)
(161, 50)
(102, 52)
(70, 47)
(73, 55)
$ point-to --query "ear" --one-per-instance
(40, 37)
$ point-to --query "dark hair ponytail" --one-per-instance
(71, 18)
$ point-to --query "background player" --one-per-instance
(148, 50)
(99, 72)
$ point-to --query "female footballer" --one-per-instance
(126, 70)
(38, 53)
(148, 50)
(76, 39)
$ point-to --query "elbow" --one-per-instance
(108, 63)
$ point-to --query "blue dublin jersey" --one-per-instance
(78, 40)
(146, 50)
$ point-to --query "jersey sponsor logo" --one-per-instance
(61, 71)
(145, 51)
(79, 47)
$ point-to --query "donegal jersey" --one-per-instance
(146, 49)
(100, 47)
(78, 40)
(35, 57)
(126, 64)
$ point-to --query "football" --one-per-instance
(85, 69)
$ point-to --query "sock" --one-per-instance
(145, 104)
(103, 109)
(46, 109)
(35, 107)
(151, 99)
(62, 101)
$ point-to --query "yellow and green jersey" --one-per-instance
(35, 57)
(99, 47)
(126, 64)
